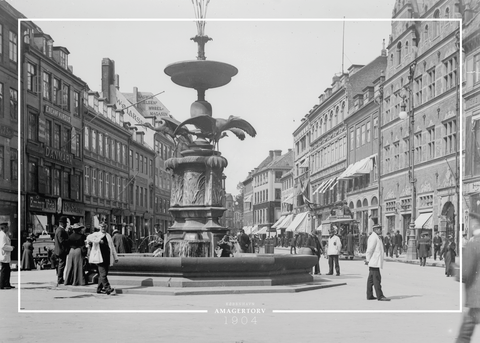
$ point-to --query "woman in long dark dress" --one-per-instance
(27, 255)
(74, 270)
(449, 255)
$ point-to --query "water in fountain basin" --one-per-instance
(190, 248)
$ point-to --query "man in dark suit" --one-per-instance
(398, 244)
(61, 249)
(437, 246)
(314, 243)
(243, 241)
(423, 248)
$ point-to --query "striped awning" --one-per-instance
(278, 222)
(286, 222)
(299, 218)
(359, 168)
(248, 198)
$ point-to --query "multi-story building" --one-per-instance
(51, 108)
(267, 188)
(322, 146)
(288, 197)
(9, 94)
(360, 178)
(471, 117)
(248, 202)
(421, 79)
(106, 164)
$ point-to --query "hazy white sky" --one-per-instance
(284, 65)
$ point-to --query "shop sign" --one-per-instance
(73, 208)
(473, 187)
(50, 205)
(6, 131)
(36, 202)
(54, 112)
(59, 155)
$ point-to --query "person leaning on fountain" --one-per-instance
(226, 246)
(103, 254)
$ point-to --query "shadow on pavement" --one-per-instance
(399, 297)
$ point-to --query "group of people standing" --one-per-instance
(71, 250)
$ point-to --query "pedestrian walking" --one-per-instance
(293, 243)
(374, 260)
(398, 244)
(120, 241)
(471, 279)
(75, 275)
(104, 255)
(437, 245)
(350, 243)
(314, 244)
(243, 241)
(5, 251)
(423, 249)
(449, 254)
(334, 246)
(61, 248)
(387, 241)
(28, 262)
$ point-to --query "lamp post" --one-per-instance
(412, 250)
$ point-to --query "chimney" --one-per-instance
(278, 153)
(135, 96)
(117, 81)
(108, 77)
(270, 153)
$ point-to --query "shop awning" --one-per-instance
(424, 221)
(327, 185)
(278, 222)
(254, 230)
(304, 164)
(359, 168)
(248, 198)
(262, 231)
(286, 222)
(296, 221)
(247, 229)
(305, 225)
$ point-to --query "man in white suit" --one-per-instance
(374, 260)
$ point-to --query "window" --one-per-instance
(137, 159)
(12, 45)
(141, 196)
(119, 157)
(418, 91)
(119, 186)
(66, 184)
(87, 180)
(56, 182)
(48, 180)
(1, 39)
(107, 147)
(87, 137)
(450, 138)
(112, 149)
(76, 191)
(475, 71)
(1, 96)
(112, 183)
(94, 182)
(77, 145)
(56, 91)
(48, 132)
(94, 140)
(32, 126)
(130, 195)
(13, 164)
(100, 184)
(13, 103)
(145, 164)
(396, 155)
(31, 74)
(368, 131)
(363, 134)
(124, 155)
(399, 53)
(63, 59)
(56, 136)
(436, 24)
(136, 196)
(66, 97)
(431, 84)
(32, 174)
(100, 144)
(151, 168)
(47, 84)
(76, 104)
(66, 143)
(124, 190)
(425, 33)
(358, 137)
(431, 143)
(107, 185)
(131, 159)
(418, 147)
(450, 78)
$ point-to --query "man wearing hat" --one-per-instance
(374, 260)
(5, 252)
(61, 248)
(423, 249)
(334, 246)
(243, 241)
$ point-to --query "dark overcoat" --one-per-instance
(423, 247)
(471, 273)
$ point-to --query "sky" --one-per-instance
(286, 53)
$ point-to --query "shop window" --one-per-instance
(56, 182)
(32, 126)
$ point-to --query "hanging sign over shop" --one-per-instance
(59, 155)
(54, 112)
(73, 208)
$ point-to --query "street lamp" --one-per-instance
(412, 250)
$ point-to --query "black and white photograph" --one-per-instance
(240, 171)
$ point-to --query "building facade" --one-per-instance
(421, 79)
(471, 118)
(52, 112)
(9, 134)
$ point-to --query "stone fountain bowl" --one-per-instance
(248, 270)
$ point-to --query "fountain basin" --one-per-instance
(245, 270)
